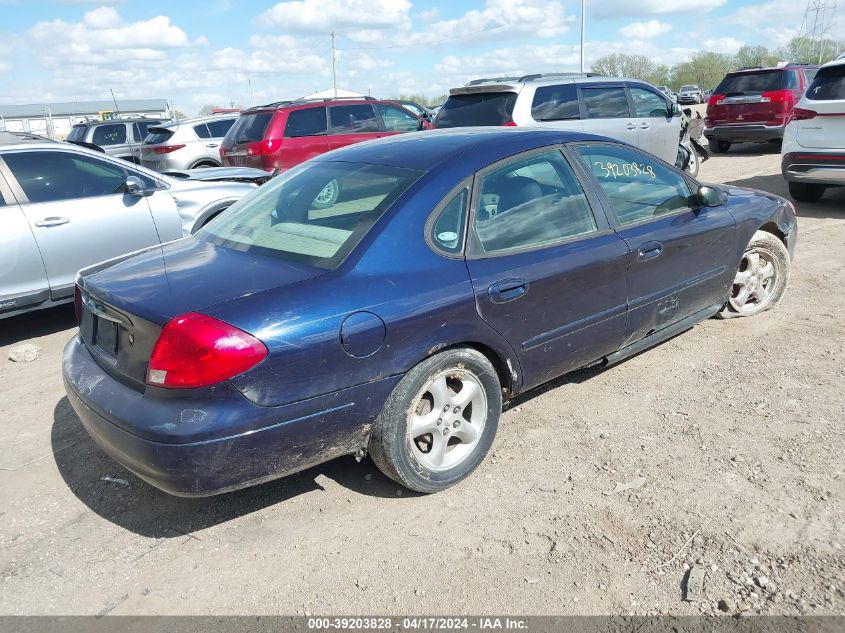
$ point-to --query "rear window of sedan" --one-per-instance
(486, 108)
(314, 214)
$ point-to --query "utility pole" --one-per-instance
(583, 8)
(816, 24)
(334, 70)
(251, 91)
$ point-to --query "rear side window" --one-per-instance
(752, 83)
(531, 202)
(219, 128)
(109, 135)
(809, 75)
(486, 108)
(48, 176)
(158, 135)
(556, 103)
(828, 85)
(202, 131)
(447, 232)
(353, 119)
(77, 133)
(313, 215)
(605, 103)
(307, 122)
(249, 127)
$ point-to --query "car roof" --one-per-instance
(295, 103)
(8, 138)
(198, 119)
(758, 69)
(839, 61)
(128, 120)
(426, 150)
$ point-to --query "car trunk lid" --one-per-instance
(821, 115)
(763, 97)
(242, 145)
(124, 306)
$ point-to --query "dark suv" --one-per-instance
(754, 105)
(284, 134)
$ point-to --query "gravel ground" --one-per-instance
(732, 432)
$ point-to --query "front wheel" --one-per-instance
(761, 278)
(806, 191)
(439, 422)
(694, 163)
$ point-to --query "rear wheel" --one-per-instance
(718, 147)
(806, 191)
(204, 164)
(760, 279)
(440, 421)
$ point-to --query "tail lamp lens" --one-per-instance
(195, 350)
(262, 148)
(802, 114)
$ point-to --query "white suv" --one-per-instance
(625, 109)
(813, 150)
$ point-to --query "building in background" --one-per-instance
(54, 120)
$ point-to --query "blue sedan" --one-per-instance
(451, 271)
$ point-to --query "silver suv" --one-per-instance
(121, 138)
(625, 109)
(186, 144)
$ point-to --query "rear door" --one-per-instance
(306, 135)
(23, 280)
(608, 113)
(547, 271)
(217, 129)
(77, 211)
(825, 97)
(658, 132)
(352, 123)
(681, 254)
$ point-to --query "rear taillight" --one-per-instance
(802, 114)
(77, 303)
(163, 149)
(262, 148)
(715, 100)
(509, 124)
(195, 350)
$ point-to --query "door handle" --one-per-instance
(52, 221)
(211, 144)
(649, 250)
(507, 290)
(631, 126)
(644, 126)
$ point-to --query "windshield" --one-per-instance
(689, 88)
(486, 108)
(248, 128)
(829, 84)
(752, 83)
(314, 214)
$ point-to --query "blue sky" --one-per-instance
(196, 53)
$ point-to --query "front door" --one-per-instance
(679, 250)
(547, 271)
(77, 211)
(658, 132)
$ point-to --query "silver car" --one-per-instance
(186, 144)
(121, 138)
(65, 207)
(626, 109)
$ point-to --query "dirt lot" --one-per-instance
(735, 426)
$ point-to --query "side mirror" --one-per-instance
(134, 186)
(709, 196)
(676, 109)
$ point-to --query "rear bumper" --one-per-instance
(249, 444)
(815, 167)
(751, 133)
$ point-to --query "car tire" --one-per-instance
(761, 277)
(429, 398)
(806, 191)
(328, 195)
(718, 147)
(204, 165)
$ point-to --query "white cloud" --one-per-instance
(429, 15)
(645, 30)
(626, 8)
(321, 16)
(268, 61)
(724, 45)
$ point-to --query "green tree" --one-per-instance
(422, 99)
(704, 69)
(808, 51)
(623, 65)
(207, 109)
(751, 56)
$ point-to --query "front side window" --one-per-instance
(649, 104)
(397, 119)
(313, 214)
(639, 187)
(556, 103)
(50, 176)
(529, 202)
(605, 103)
(353, 119)
(307, 122)
(109, 135)
(447, 232)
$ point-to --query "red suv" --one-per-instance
(282, 135)
(754, 105)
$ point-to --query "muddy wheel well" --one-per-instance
(771, 227)
(499, 363)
